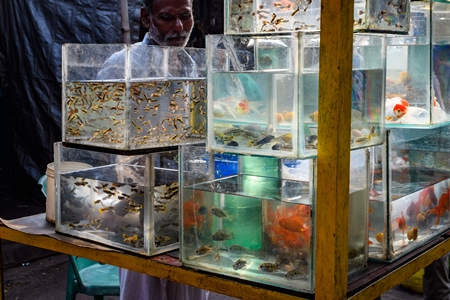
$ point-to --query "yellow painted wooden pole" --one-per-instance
(333, 161)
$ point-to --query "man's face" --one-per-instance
(171, 22)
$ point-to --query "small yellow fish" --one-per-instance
(102, 210)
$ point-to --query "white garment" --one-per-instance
(138, 286)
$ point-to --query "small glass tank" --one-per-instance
(263, 93)
(129, 97)
(253, 94)
(382, 15)
(251, 217)
(368, 86)
(244, 16)
(126, 202)
(409, 191)
(417, 72)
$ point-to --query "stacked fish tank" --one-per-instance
(129, 202)
(252, 217)
(129, 97)
(126, 109)
(367, 98)
(263, 93)
(417, 75)
(243, 16)
(253, 94)
(410, 205)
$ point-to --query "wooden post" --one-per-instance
(333, 159)
(125, 24)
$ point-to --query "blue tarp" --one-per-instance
(31, 35)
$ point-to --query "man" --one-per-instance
(169, 23)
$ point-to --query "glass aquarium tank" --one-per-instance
(252, 217)
(129, 97)
(417, 69)
(243, 16)
(263, 93)
(382, 15)
(126, 202)
(253, 94)
(409, 192)
(367, 98)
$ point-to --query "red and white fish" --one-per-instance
(401, 222)
(395, 108)
(441, 207)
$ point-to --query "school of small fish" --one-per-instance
(282, 15)
(93, 207)
(160, 113)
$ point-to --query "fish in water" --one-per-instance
(233, 144)
(262, 141)
(395, 108)
(220, 213)
(222, 235)
(413, 233)
(268, 267)
(202, 210)
(239, 264)
(396, 112)
(295, 274)
(238, 249)
(242, 107)
(202, 250)
(401, 222)
(379, 237)
(442, 206)
(404, 78)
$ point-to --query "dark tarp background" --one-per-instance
(31, 35)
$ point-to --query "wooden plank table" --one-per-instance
(379, 278)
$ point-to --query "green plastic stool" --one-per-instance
(88, 277)
(85, 276)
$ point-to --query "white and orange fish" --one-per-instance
(401, 222)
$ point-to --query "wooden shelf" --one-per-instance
(379, 278)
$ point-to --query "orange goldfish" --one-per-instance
(379, 237)
(293, 224)
(289, 226)
(294, 218)
(242, 107)
(442, 206)
(191, 216)
(404, 78)
(288, 115)
(401, 222)
(427, 197)
(280, 118)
